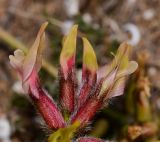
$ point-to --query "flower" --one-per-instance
(28, 66)
(78, 106)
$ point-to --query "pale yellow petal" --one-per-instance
(34, 56)
(17, 59)
(89, 56)
(69, 47)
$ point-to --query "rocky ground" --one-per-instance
(106, 23)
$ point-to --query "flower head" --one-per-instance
(78, 105)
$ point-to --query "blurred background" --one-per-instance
(135, 116)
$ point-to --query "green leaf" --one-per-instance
(64, 134)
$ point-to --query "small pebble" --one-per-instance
(87, 18)
(67, 26)
(135, 33)
(152, 71)
(71, 7)
(17, 87)
(148, 14)
(79, 76)
(131, 2)
(5, 129)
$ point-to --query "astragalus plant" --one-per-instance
(78, 103)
